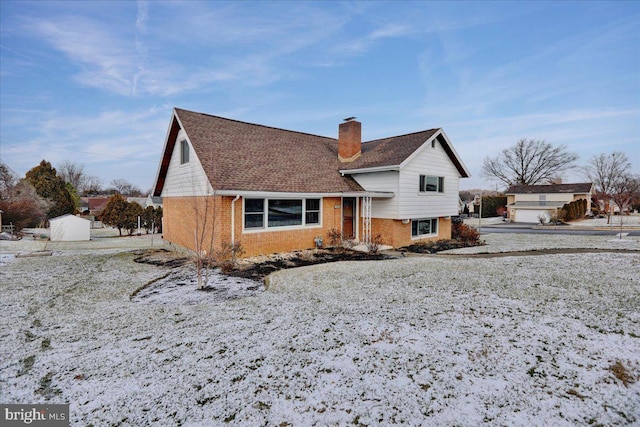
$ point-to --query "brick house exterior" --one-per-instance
(274, 190)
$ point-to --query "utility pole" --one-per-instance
(480, 216)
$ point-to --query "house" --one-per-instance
(94, 205)
(146, 201)
(275, 190)
(527, 203)
(69, 228)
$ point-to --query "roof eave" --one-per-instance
(167, 151)
(293, 195)
(374, 169)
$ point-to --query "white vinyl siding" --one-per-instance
(409, 201)
(385, 182)
(185, 179)
(413, 203)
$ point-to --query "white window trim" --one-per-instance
(266, 228)
(424, 236)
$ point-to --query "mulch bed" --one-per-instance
(258, 270)
(259, 267)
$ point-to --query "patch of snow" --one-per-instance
(510, 242)
(180, 287)
(627, 221)
(419, 341)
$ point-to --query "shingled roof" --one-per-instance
(578, 188)
(241, 156)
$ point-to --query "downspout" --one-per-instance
(233, 224)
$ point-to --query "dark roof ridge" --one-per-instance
(546, 185)
(256, 124)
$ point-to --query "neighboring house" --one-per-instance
(95, 205)
(69, 228)
(527, 203)
(146, 201)
(275, 190)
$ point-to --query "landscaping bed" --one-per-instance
(257, 268)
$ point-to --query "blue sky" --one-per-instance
(95, 82)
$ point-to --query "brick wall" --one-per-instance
(190, 221)
(183, 215)
(274, 240)
(211, 217)
(395, 233)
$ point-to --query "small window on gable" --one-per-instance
(184, 152)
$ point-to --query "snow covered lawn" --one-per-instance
(426, 340)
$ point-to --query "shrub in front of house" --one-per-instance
(463, 233)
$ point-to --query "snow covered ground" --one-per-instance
(426, 340)
(627, 221)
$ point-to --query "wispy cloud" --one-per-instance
(363, 44)
(106, 62)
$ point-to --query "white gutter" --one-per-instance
(285, 195)
(344, 172)
(233, 222)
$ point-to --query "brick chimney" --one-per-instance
(349, 140)
(555, 181)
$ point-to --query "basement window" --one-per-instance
(424, 227)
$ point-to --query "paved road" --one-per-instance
(588, 232)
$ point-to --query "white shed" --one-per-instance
(69, 228)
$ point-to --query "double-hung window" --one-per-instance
(253, 213)
(430, 184)
(273, 213)
(312, 211)
(424, 227)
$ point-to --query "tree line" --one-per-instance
(46, 192)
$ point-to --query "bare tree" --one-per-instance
(625, 189)
(203, 232)
(528, 162)
(75, 175)
(125, 188)
(72, 173)
(8, 180)
(92, 185)
(605, 171)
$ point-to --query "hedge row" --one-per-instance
(575, 209)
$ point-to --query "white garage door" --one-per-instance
(531, 215)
